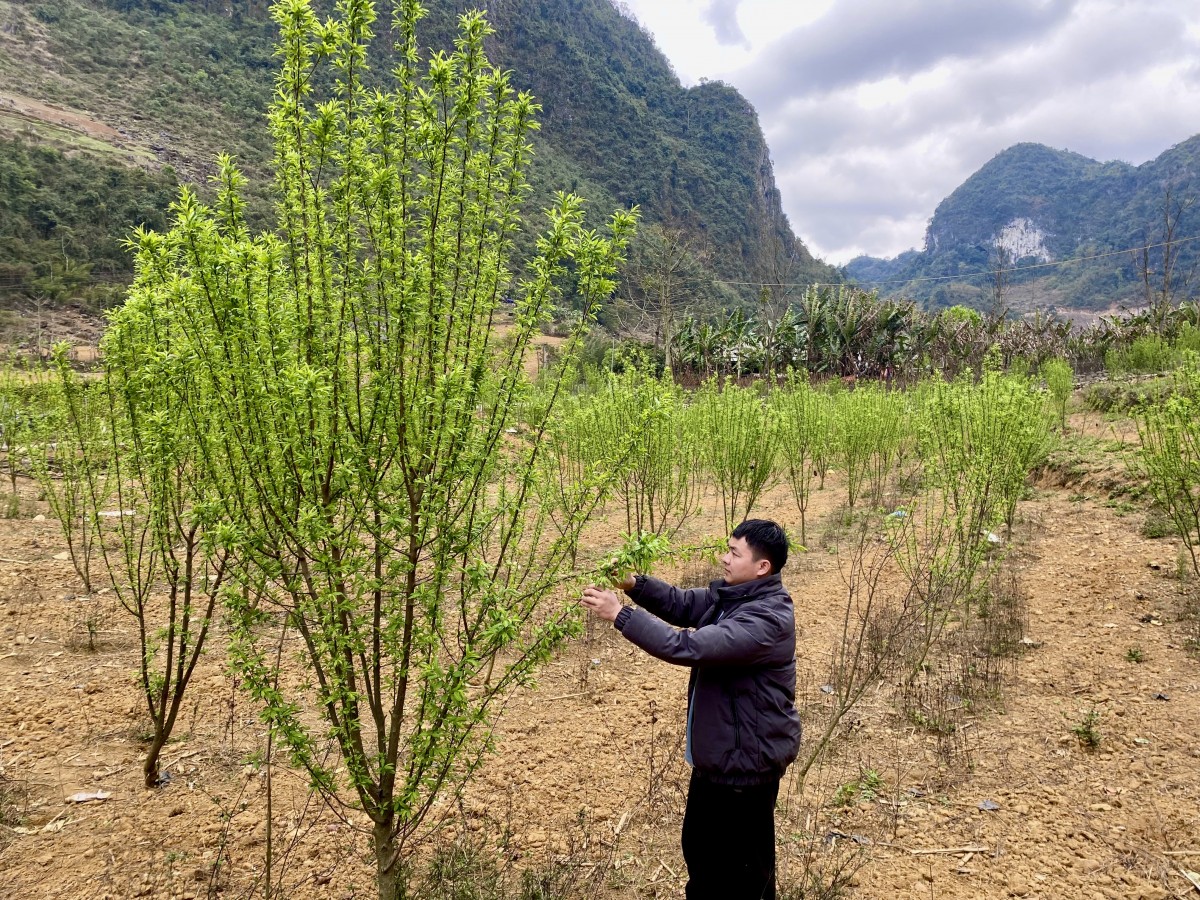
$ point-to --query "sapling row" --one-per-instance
(28, 417)
(1170, 454)
(805, 423)
(68, 448)
(1060, 383)
(738, 440)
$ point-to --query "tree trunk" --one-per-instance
(150, 766)
(388, 871)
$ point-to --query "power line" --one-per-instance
(969, 275)
(22, 282)
(11, 282)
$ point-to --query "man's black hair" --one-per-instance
(766, 540)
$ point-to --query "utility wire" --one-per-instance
(14, 282)
(970, 275)
(17, 281)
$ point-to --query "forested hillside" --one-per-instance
(150, 88)
(63, 221)
(1044, 227)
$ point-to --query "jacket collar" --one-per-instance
(748, 590)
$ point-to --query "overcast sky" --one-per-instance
(875, 110)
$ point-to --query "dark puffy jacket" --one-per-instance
(742, 693)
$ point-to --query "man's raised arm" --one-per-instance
(678, 607)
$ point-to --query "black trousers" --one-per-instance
(729, 841)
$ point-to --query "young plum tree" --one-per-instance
(353, 404)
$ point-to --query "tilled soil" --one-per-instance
(587, 778)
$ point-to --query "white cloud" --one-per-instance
(865, 40)
(875, 110)
(687, 34)
(722, 16)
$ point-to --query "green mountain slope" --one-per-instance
(169, 83)
(1058, 227)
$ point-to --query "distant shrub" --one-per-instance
(1158, 523)
(963, 314)
(1086, 732)
(1113, 397)
(1170, 454)
(1146, 355)
(1188, 339)
(1020, 366)
(1060, 382)
(48, 13)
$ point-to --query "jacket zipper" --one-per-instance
(737, 723)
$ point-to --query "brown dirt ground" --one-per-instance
(26, 334)
(66, 117)
(587, 768)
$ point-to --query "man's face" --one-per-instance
(740, 564)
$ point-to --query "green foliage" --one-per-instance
(27, 401)
(1060, 382)
(1149, 354)
(70, 450)
(661, 490)
(353, 409)
(1135, 655)
(1085, 730)
(1118, 397)
(638, 554)
(1170, 454)
(1188, 338)
(868, 429)
(185, 78)
(848, 332)
(867, 786)
(64, 218)
(581, 456)
(1158, 523)
(963, 315)
(977, 444)
(856, 335)
(806, 423)
(639, 425)
(738, 440)
(853, 438)
(980, 443)
(585, 450)
(161, 550)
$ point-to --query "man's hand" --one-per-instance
(605, 604)
(628, 583)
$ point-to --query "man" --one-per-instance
(742, 727)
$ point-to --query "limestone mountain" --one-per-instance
(1057, 229)
(154, 89)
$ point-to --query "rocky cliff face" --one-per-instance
(691, 157)
(180, 80)
(1032, 205)
(1023, 239)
